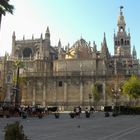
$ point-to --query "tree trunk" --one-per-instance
(0, 20)
(17, 88)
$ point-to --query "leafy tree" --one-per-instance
(131, 87)
(96, 94)
(5, 7)
(109, 89)
(14, 132)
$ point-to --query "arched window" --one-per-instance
(127, 42)
(115, 42)
(118, 43)
(121, 41)
(121, 29)
(27, 52)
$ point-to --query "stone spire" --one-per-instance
(13, 42)
(104, 40)
(104, 48)
(60, 51)
(94, 46)
(104, 45)
(47, 31)
(47, 37)
(14, 36)
(41, 36)
(47, 34)
(134, 53)
(59, 46)
(32, 36)
(23, 37)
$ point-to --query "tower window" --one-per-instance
(60, 84)
(121, 29)
(27, 52)
(118, 43)
(127, 42)
(121, 41)
(115, 42)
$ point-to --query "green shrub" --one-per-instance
(14, 132)
(129, 110)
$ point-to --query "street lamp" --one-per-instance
(116, 93)
(0, 95)
(90, 97)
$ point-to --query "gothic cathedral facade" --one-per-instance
(70, 75)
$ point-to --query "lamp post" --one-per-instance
(116, 94)
(0, 95)
(90, 97)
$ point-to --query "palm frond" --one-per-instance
(6, 7)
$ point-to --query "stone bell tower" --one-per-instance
(122, 46)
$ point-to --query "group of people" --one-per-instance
(88, 111)
(40, 111)
(18, 111)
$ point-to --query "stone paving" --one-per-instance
(97, 127)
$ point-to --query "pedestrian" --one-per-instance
(91, 109)
(87, 112)
(77, 111)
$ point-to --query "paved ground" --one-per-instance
(65, 128)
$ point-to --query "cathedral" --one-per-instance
(71, 75)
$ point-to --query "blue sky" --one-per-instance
(68, 20)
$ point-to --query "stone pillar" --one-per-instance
(33, 102)
(54, 91)
(115, 67)
(65, 92)
(8, 94)
(81, 92)
(104, 93)
(104, 67)
(92, 91)
(44, 94)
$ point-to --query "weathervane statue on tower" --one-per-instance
(121, 7)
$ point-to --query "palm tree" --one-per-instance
(4, 8)
(17, 65)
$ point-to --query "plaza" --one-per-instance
(97, 127)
